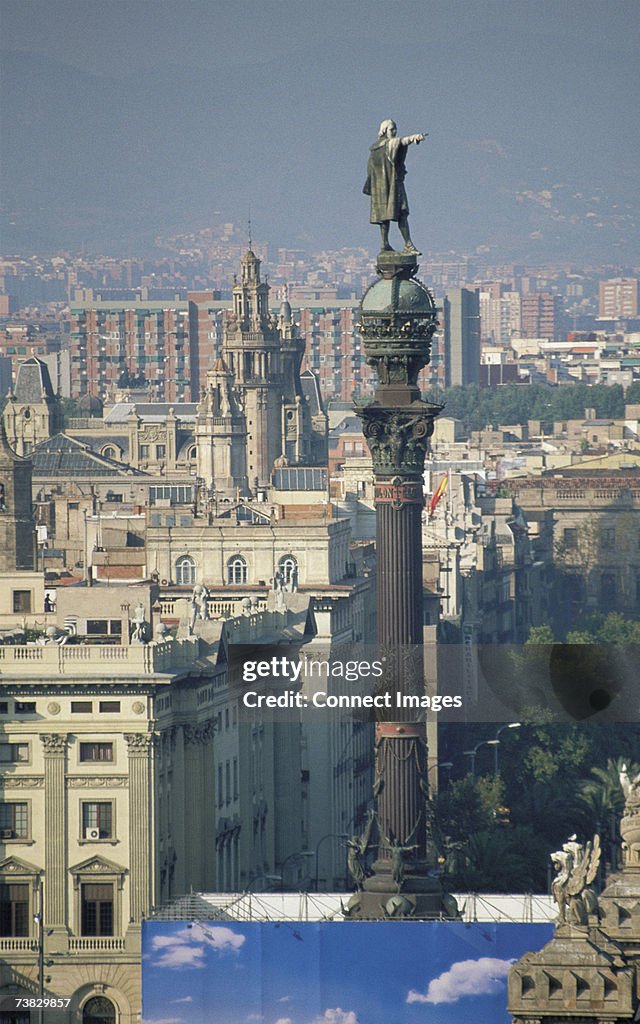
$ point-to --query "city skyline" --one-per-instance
(193, 111)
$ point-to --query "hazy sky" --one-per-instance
(121, 120)
(332, 973)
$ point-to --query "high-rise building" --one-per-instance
(541, 316)
(162, 347)
(462, 336)
(499, 314)
(140, 344)
(619, 298)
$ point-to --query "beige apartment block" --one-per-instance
(77, 856)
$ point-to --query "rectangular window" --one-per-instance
(161, 451)
(107, 706)
(97, 909)
(97, 816)
(14, 821)
(609, 537)
(220, 793)
(22, 600)
(228, 782)
(14, 752)
(97, 627)
(81, 707)
(570, 537)
(235, 778)
(24, 707)
(4, 707)
(96, 751)
(14, 910)
(144, 451)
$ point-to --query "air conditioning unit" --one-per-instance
(6, 833)
(92, 833)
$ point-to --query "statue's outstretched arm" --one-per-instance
(406, 140)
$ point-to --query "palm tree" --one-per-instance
(603, 799)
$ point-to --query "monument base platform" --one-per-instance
(420, 897)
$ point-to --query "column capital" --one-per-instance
(139, 743)
(54, 743)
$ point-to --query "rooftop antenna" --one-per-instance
(249, 227)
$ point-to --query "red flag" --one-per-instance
(441, 488)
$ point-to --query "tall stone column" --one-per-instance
(140, 747)
(398, 319)
(55, 837)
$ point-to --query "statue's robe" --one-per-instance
(385, 180)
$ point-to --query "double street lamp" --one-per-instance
(495, 743)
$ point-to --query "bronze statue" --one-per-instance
(385, 183)
(357, 847)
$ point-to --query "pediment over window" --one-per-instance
(16, 866)
(97, 866)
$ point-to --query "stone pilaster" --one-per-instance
(55, 839)
(193, 803)
(140, 746)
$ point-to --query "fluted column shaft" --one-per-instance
(139, 748)
(55, 819)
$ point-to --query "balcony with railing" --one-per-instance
(53, 660)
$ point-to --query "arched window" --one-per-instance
(236, 570)
(110, 452)
(288, 567)
(99, 1010)
(185, 571)
(192, 454)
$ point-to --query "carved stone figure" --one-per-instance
(199, 605)
(138, 624)
(385, 183)
(576, 866)
(631, 790)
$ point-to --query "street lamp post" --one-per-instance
(292, 856)
(496, 742)
(472, 753)
(39, 921)
(329, 835)
(434, 768)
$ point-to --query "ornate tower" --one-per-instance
(263, 354)
(398, 319)
(221, 436)
(251, 350)
(32, 413)
(17, 538)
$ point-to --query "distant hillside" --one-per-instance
(530, 162)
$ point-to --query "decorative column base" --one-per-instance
(390, 904)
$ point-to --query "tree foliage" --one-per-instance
(479, 407)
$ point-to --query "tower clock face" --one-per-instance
(27, 414)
